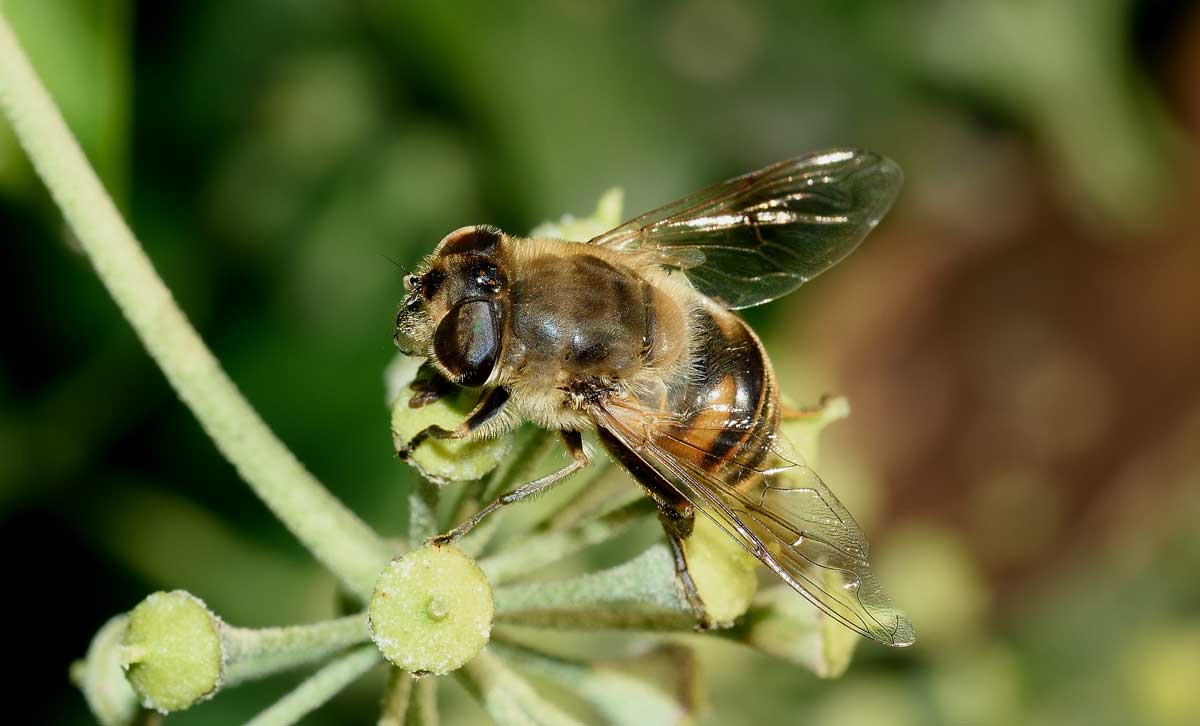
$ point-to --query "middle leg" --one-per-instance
(574, 443)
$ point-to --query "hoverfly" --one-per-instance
(631, 335)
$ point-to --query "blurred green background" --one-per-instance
(1019, 340)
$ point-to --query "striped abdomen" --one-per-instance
(728, 408)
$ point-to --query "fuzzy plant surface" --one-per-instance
(472, 611)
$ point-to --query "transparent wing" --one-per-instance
(783, 514)
(750, 240)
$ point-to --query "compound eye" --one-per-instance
(429, 283)
(467, 342)
(411, 282)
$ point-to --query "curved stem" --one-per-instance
(318, 688)
(256, 652)
(334, 534)
(506, 696)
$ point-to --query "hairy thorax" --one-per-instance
(580, 315)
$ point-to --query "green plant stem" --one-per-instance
(653, 688)
(600, 617)
(256, 652)
(648, 579)
(544, 548)
(396, 698)
(422, 511)
(318, 688)
(409, 701)
(422, 707)
(334, 534)
(506, 696)
(640, 594)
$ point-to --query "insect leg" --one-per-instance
(813, 411)
(491, 404)
(579, 459)
(674, 511)
(678, 527)
(429, 386)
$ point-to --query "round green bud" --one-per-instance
(431, 610)
(440, 460)
(724, 572)
(171, 651)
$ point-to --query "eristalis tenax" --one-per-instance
(632, 335)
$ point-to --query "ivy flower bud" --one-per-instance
(171, 651)
(432, 610)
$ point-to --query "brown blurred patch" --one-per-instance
(1182, 73)
(1004, 378)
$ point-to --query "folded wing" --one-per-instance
(757, 237)
(784, 515)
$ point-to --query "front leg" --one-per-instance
(488, 407)
(430, 385)
(574, 443)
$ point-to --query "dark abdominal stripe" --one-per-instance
(732, 373)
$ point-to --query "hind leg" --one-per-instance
(678, 524)
(674, 512)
